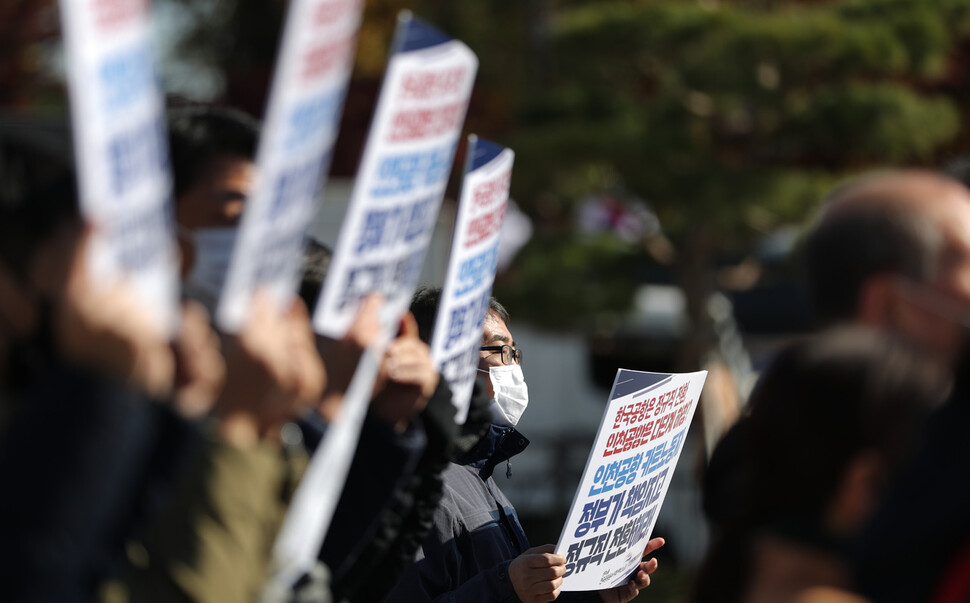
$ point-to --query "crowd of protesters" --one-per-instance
(135, 468)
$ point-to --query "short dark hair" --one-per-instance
(821, 403)
(316, 263)
(852, 388)
(199, 135)
(38, 195)
(424, 306)
(856, 243)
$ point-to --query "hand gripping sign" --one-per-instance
(457, 332)
(122, 152)
(627, 476)
(294, 153)
(382, 243)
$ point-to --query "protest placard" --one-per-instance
(121, 146)
(457, 332)
(627, 476)
(402, 178)
(294, 153)
(392, 211)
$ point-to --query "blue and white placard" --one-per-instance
(402, 178)
(294, 153)
(121, 146)
(457, 332)
(627, 476)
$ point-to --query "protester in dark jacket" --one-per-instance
(477, 549)
(214, 169)
(924, 517)
(409, 517)
(78, 425)
(830, 424)
(94, 408)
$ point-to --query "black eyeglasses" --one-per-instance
(510, 355)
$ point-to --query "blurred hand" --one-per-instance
(407, 377)
(340, 356)
(640, 579)
(200, 370)
(102, 327)
(272, 370)
(536, 574)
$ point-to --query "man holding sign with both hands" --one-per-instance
(477, 549)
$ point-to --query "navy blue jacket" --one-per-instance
(84, 464)
(476, 533)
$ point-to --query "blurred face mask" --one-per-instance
(213, 252)
(511, 394)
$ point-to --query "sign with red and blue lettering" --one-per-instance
(401, 182)
(294, 153)
(627, 476)
(121, 146)
(457, 332)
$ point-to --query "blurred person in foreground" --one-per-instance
(916, 547)
(79, 364)
(477, 549)
(213, 152)
(96, 439)
(214, 171)
(892, 251)
(898, 243)
(829, 426)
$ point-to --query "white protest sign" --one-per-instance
(121, 147)
(294, 153)
(471, 268)
(627, 476)
(393, 208)
(402, 178)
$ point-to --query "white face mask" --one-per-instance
(511, 394)
(213, 252)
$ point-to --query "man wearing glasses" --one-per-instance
(501, 361)
(476, 549)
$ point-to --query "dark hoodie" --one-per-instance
(475, 534)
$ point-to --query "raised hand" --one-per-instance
(407, 378)
(272, 370)
(103, 327)
(200, 370)
(340, 356)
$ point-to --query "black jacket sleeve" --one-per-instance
(408, 519)
(382, 465)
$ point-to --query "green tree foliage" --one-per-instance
(729, 118)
